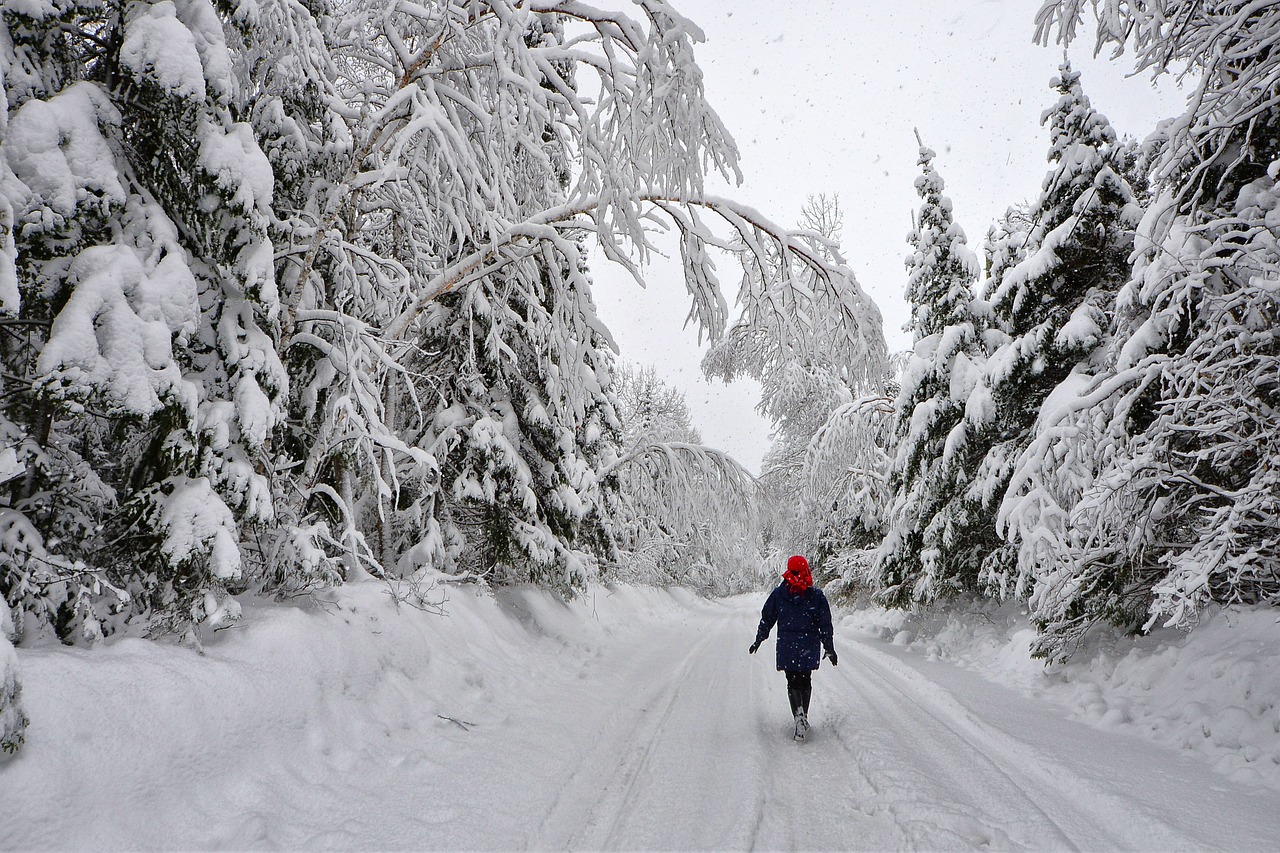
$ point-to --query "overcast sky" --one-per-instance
(822, 97)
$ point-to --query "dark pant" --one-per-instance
(799, 689)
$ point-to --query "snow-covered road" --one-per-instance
(678, 740)
(653, 733)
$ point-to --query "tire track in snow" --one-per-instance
(1098, 801)
(670, 736)
(955, 785)
(654, 752)
(618, 796)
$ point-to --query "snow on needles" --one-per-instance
(13, 721)
(57, 151)
(238, 164)
(160, 47)
(117, 329)
(195, 518)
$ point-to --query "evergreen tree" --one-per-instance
(527, 426)
(143, 378)
(1054, 304)
(927, 554)
(1162, 470)
(13, 721)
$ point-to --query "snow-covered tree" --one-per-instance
(1052, 297)
(481, 161)
(1150, 490)
(1006, 243)
(813, 350)
(527, 428)
(845, 496)
(811, 344)
(13, 721)
(685, 514)
(929, 548)
(649, 408)
(297, 292)
(142, 379)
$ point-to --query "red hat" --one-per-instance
(797, 574)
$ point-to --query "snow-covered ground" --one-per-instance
(1214, 692)
(627, 719)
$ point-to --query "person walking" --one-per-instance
(803, 616)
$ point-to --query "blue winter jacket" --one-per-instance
(804, 626)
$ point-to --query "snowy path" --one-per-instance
(657, 734)
(679, 741)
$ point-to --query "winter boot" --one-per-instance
(796, 697)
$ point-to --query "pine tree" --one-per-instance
(1054, 304)
(927, 554)
(13, 720)
(1169, 489)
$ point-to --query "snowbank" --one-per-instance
(138, 744)
(1214, 692)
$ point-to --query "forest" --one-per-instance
(295, 293)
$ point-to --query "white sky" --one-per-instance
(822, 97)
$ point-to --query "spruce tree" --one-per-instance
(13, 720)
(524, 423)
(927, 554)
(143, 378)
(1153, 488)
(1052, 296)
